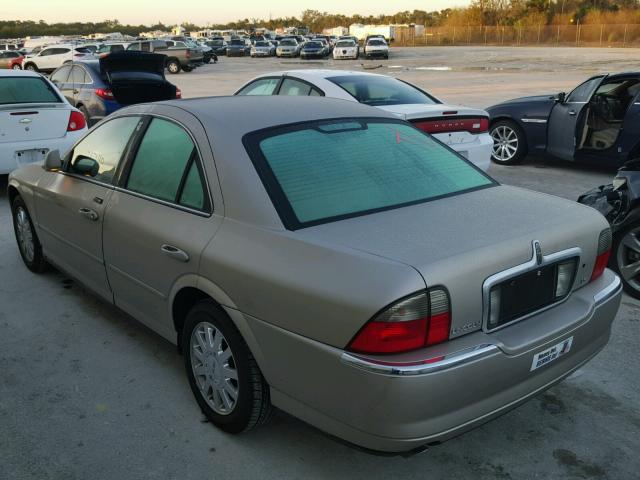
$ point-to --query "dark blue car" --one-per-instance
(598, 122)
(100, 87)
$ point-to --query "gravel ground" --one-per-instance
(88, 393)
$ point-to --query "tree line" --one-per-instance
(479, 12)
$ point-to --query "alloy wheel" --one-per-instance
(505, 143)
(628, 258)
(214, 368)
(25, 234)
(17, 67)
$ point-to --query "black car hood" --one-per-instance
(532, 99)
(133, 62)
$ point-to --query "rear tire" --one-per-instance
(223, 374)
(28, 242)
(16, 67)
(509, 143)
(625, 256)
(173, 66)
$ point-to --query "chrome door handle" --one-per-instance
(175, 252)
(572, 112)
(90, 214)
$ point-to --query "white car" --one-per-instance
(34, 118)
(54, 56)
(346, 49)
(464, 129)
(376, 48)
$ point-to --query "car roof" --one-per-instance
(18, 73)
(316, 74)
(238, 115)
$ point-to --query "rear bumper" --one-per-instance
(377, 54)
(9, 160)
(478, 151)
(469, 380)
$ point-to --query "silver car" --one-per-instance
(325, 258)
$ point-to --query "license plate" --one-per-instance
(24, 157)
(547, 356)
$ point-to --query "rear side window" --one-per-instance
(26, 90)
(296, 87)
(104, 146)
(61, 75)
(78, 76)
(325, 171)
(263, 86)
(166, 167)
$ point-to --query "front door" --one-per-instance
(157, 224)
(70, 205)
(564, 120)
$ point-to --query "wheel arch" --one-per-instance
(12, 192)
(192, 289)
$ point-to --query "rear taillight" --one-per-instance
(604, 251)
(178, 93)
(104, 93)
(418, 321)
(188, 54)
(445, 125)
(76, 121)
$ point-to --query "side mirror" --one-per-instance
(561, 97)
(52, 162)
(86, 166)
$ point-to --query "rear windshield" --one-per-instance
(313, 45)
(377, 42)
(380, 90)
(262, 44)
(26, 90)
(237, 42)
(325, 171)
(346, 43)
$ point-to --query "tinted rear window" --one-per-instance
(380, 90)
(26, 90)
(325, 171)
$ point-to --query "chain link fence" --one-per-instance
(549, 35)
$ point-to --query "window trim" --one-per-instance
(251, 142)
(130, 155)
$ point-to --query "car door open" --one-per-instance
(566, 117)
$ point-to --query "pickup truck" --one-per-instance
(177, 58)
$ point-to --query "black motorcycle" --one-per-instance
(619, 202)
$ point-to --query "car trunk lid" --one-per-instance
(460, 241)
(137, 77)
(27, 122)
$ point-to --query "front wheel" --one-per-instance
(28, 242)
(222, 372)
(31, 67)
(625, 258)
(509, 144)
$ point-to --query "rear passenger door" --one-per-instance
(158, 222)
(60, 78)
(77, 81)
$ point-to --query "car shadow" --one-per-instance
(4, 181)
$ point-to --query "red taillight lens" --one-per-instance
(178, 93)
(188, 54)
(104, 93)
(418, 321)
(76, 121)
(445, 125)
(604, 251)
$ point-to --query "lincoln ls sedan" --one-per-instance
(326, 258)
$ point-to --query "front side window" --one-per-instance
(324, 171)
(583, 92)
(135, 47)
(165, 155)
(263, 86)
(26, 90)
(99, 153)
(380, 90)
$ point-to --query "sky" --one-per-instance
(200, 12)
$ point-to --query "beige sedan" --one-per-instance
(325, 258)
